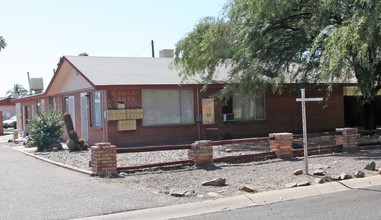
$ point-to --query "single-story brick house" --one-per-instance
(128, 101)
(7, 107)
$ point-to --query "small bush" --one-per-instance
(45, 129)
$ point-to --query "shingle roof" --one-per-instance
(102, 71)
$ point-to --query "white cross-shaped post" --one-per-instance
(303, 99)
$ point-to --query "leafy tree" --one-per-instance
(17, 91)
(45, 129)
(83, 54)
(3, 44)
(329, 40)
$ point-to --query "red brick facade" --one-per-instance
(283, 113)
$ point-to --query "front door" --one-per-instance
(84, 120)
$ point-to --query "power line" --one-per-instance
(143, 49)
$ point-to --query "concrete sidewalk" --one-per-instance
(198, 208)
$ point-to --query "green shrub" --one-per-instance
(45, 129)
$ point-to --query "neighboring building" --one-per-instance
(8, 108)
(91, 89)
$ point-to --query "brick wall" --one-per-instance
(283, 113)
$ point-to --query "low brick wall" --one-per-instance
(201, 153)
(349, 139)
(103, 159)
(282, 145)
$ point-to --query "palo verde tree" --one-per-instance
(329, 40)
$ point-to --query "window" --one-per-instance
(40, 105)
(28, 114)
(65, 104)
(248, 108)
(167, 106)
(52, 102)
(96, 109)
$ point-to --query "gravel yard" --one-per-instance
(261, 175)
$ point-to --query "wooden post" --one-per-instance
(303, 99)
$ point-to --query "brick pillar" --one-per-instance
(349, 138)
(201, 153)
(282, 145)
(103, 159)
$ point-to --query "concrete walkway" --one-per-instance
(32, 189)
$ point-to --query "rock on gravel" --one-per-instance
(304, 183)
(290, 185)
(324, 179)
(177, 192)
(298, 172)
(359, 174)
(319, 172)
(215, 182)
(249, 189)
(371, 166)
(345, 176)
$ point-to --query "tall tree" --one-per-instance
(17, 91)
(329, 40)
(2, 43)
(84, 54)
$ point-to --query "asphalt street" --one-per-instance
(32, 189)
(354, 204)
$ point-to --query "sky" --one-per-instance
(39, 32)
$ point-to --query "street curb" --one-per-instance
(58, 164)
(243, 201)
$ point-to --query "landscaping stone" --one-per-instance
(298, 172)
(318, 172)
(359, 174)
(249, 189)
(228, 150)
(345, 176)
(177, 192)
(215, 182)
(290, 185)
(304, 183)
(336, 178)
(371, 166)
(324, 179)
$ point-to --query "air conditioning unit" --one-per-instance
(228, 117)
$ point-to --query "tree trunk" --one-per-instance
(369, 117)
